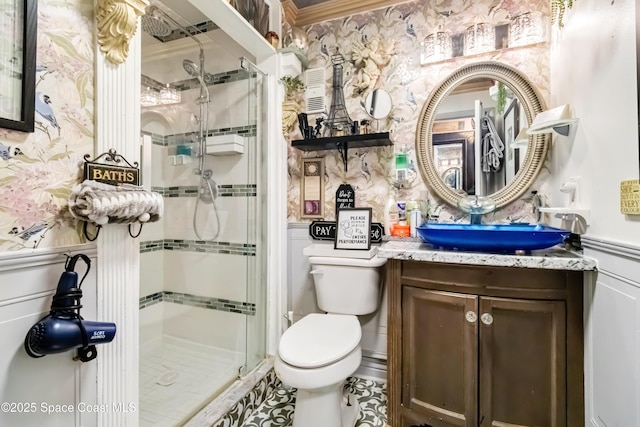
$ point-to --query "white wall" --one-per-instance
(612, 337)
(27, 281)
(593, 69)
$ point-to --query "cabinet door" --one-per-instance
(522, 363)
(439, 358)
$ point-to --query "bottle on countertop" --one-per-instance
(390, 215)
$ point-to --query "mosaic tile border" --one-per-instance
(236, 190)
(216, 79)
(151, 246)
(239, 190)
(210, 80)
(172, 140)
(211, 303)
(213, 247)
(194, 30)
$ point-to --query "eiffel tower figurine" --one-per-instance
(338, 116)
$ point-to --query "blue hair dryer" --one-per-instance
(63, 328)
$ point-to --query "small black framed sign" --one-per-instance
(345, 197)
(353, 229)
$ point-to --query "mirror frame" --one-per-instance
(532, 104)
(25, 122)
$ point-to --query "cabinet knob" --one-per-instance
(486, 318)
(471, 316)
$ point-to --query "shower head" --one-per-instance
(159, 23)
(192, 68)
(153, 24)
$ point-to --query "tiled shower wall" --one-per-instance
(188, 282)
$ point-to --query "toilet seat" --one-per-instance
(319, 339)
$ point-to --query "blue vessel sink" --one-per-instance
(491, 238)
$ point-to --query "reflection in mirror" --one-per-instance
(466, 132)
(378, 104)
(496, 162)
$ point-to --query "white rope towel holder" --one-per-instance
(100, 203)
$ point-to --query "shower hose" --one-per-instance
(207, 189)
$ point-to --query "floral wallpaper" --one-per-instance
(400, 29)
(37, 170)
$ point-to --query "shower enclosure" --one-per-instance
(203, 280)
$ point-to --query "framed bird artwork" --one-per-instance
(18, 65)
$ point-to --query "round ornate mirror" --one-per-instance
(466, 133)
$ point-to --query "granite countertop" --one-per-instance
(555, 258)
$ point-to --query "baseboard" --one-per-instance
(372, 369)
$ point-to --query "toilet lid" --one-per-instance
(319, 339)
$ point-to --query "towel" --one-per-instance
(492, 147)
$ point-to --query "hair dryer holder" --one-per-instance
(63, 328)
(110, 194)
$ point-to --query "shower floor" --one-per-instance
(178, 378)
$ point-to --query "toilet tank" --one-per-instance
(343, 284)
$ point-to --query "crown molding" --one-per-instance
(336, 9)
(290, 11)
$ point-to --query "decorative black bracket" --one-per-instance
(342, 148)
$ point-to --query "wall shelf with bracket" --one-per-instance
(343, 143)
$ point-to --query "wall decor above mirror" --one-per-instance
(465, 134)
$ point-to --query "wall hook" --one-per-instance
(139, 231)
(84, 230)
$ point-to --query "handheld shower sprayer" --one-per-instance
(63, 328)
(195, 71)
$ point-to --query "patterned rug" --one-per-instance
(277, 409)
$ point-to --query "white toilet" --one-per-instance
(318, 353)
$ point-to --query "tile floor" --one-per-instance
(277, 409)
(178, 378)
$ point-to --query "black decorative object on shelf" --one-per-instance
(339, 123)
(343, 143)
(305, 129)
(318, 128)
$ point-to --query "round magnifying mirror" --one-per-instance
(378, 104)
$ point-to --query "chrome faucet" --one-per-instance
(476, 218)
(476, 206)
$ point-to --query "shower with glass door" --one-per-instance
(158, 23)
(203, 281)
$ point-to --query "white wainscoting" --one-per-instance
(302, 301)
(612, 335)
(28, 280)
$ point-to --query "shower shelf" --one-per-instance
(343, 143)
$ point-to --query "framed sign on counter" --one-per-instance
(353, 229)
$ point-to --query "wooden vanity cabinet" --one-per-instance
(484, 346)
